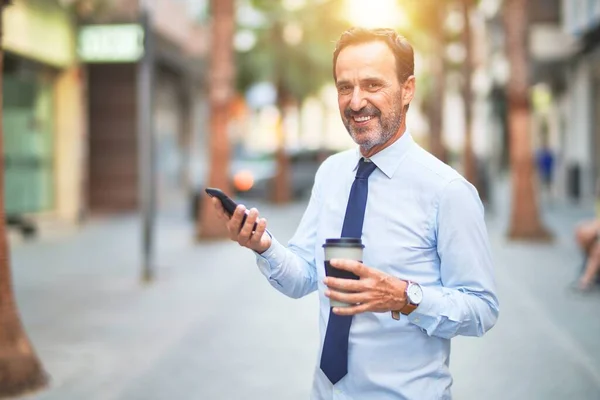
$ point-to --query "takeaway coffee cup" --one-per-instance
(342, 248)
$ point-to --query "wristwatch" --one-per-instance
(414, 296)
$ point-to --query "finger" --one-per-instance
(261, 227)
(354, 266)
(349, 285)
(247, 229)
(235, 221)
(220, 210)
(352, 310)
(350, 298)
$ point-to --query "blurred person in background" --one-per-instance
(545, 164)
(426, 256)
(587, 234)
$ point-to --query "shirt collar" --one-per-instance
(388, 159)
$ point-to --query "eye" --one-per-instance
(345, 89)
(373, 86)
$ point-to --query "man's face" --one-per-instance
(369, 94)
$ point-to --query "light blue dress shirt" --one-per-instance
(423, 222)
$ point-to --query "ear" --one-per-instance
(408, 90)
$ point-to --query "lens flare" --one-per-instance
(376, 14)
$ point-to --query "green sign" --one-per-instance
(110, 43)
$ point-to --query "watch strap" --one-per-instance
(408, 308)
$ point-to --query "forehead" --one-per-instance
(370, 58)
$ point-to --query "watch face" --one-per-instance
(414, 293)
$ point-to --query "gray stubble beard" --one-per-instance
(387, 129)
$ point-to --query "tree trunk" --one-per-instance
(525, 222)
(20, 369)
(220, 95)
(282, 189)
(281, 192)
(436, 118)
(468, 155)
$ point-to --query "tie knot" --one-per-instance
(365, 168)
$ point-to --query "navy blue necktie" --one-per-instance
(334, 358)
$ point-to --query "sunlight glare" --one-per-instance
(376, 14)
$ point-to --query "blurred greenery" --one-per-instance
(300, 70)
(296, 69)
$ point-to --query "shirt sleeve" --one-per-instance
(466, 303)
(292, 270)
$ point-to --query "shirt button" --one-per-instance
(417, 319)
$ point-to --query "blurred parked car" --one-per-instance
(252, 176)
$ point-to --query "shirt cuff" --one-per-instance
(427, 315)
(271, 259)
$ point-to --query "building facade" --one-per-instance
(581, 21)
(44, 115)
(72, 104)
(564, 38)
(114, 47)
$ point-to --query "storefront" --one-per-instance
(169, 120)
(581, 20)
(113, 54)
(28, 136)
(42, 121)
(596, 118)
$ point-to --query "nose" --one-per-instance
(357, 102)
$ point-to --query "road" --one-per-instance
(211, 327)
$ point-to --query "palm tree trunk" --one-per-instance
(468, 155)
(222, 71)
(436, 118)
(282, 190)
(525, 221)
(20, 369)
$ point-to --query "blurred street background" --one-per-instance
(116, 114)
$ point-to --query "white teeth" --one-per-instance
(362, 119)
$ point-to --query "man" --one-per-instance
(426, 252)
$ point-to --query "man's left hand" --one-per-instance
(373, 292)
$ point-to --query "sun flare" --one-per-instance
(376, 14)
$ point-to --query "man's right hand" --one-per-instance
(258, 240)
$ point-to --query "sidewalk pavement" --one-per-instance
(545, 344)
(211, 327)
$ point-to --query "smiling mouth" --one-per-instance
(363, 119)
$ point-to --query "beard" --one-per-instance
(377, 132)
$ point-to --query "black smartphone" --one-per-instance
(228, 204)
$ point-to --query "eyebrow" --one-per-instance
(366, 79)
(372, 79)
